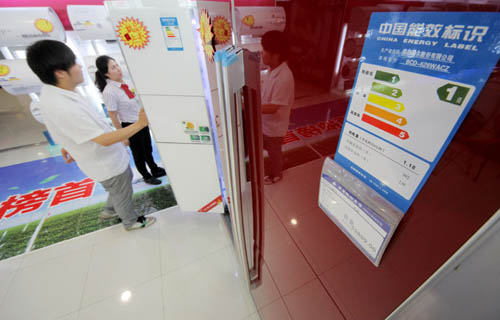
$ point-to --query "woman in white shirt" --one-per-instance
(123, 109)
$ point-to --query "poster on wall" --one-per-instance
(418, 77)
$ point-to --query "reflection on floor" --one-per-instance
(181, 268)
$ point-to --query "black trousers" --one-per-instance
(273, 147)
(142, 151)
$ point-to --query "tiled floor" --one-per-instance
(28, 153)
(290, 286)
(183, 267)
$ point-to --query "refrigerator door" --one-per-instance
(240, 114)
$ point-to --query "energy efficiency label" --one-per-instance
(419, 75)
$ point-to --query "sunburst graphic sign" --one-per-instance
(207, 35)
(133, 33)
(222, 30)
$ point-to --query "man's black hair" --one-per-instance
(276, 42)
(46, 56)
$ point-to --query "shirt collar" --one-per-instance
(53, 89)
(278, 69)
(114, 83)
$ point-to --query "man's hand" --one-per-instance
(67, 157)
(143, 120)
(126, 143)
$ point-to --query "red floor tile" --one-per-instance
(270, 218)
(287, 265)
(323, 243)
(266, 291)
(293, 197)
(275, 311)
(312, 302)
(367, 292)
(274, 238)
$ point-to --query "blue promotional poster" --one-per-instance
(419, 75)
(46, 201)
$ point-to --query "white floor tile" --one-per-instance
(84, 278)
(8, 269)
(145, 303)
(206, 289)
(25, 154)
(58, 249)
(186, 237)
(71, 316)
(110, 233)
(120, 264)
(244, 287)
(47, 290)
(254, 316)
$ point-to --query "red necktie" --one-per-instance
(129, 93)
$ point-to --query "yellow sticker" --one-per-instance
(207, 35)
(4, 70)
(222, 30)
(133, 33)
(248, 20)
(44, 25)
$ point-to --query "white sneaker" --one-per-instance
(146, 222)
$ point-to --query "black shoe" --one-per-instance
(160, 172)
(152, 180)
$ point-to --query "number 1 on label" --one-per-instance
(451, 92)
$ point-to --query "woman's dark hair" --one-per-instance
(45, 57)
(102, 68)
(276, 42)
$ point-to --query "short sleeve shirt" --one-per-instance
(117, 100)
(73, 122)
(278, 88)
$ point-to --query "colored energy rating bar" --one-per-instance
(386, 103)
(386, 76)
(170, 34)
(388, 91)
(385, 126)
(394, 118)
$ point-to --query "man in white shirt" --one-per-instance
(278, 95)
(83, 134)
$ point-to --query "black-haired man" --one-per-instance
(83, 134)
(277, 99)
